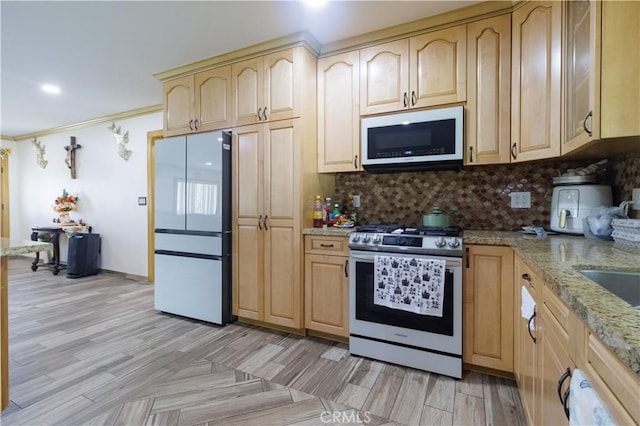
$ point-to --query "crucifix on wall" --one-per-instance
(71, 156)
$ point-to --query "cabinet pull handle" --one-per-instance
(260, 114)
(266, 218)
(195, 124)
(259, 224)
(413, 97)
(529, 326)
(471, 154)
(326, 245)
(405, 99)
(466, 251)
(355, 162)
(565, 403)
(346, 268)
(513, 151)
(191, 125)
(584, 123)
(264, 114)
(564, 377)
(526, 277)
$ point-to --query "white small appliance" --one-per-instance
(571, 204)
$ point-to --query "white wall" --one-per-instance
(107, 187)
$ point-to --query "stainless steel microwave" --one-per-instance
(413, 141)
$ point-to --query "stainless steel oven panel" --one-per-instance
(437, 342)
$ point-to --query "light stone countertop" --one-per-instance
(10, 247)
(557, 259)
(331, 231)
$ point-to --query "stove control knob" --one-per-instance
(440, 242)
(366, 238)
(356, 238)
(453, 243)
(377, 239)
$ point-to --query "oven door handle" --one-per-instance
(368, 257)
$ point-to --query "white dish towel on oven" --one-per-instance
(410, 284)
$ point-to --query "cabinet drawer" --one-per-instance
(615, 383)
(557, 308)
(320, 244)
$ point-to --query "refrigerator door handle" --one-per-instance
(187, 254)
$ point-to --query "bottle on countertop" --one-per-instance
(335, 213)
(328, 208)
(318, 213)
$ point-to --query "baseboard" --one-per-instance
(134, 277)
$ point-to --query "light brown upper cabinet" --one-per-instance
(536, 78)
(488, 119)
(339, 113)
(269, 88)
(601, 59)
(197, 103)
(421, 71)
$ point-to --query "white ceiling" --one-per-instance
(103, 53)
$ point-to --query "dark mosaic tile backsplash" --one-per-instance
(479, 194)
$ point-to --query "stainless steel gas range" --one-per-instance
(427, 342)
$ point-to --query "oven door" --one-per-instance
(380, 322)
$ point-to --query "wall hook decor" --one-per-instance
(40, 150)
(121, 140)
(71, 156)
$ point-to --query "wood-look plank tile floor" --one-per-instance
(93, 351)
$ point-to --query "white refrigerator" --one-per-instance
(193, 226)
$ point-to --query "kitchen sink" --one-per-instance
(625, 285)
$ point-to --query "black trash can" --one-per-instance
(83, 257)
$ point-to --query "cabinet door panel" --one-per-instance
(248, 270)
(248, 90)
(178, 106)
(488, 91)
(248, 172)
(279, 85)
(384, 77)
(283, 302)
(339, 113)
(326, 294)
(488, 308)
(281, 186)
(536, 81)
(438, 67)
(555, 361)
(213, 98)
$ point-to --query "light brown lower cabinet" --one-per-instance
(326, 285)
(550, 345)
(526, 339)
(488, 307)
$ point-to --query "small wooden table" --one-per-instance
(55, 232)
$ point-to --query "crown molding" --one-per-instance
(304, 38)
(455, 17)
(84, 124)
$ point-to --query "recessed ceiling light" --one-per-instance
(316, 4)
(50, 88)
